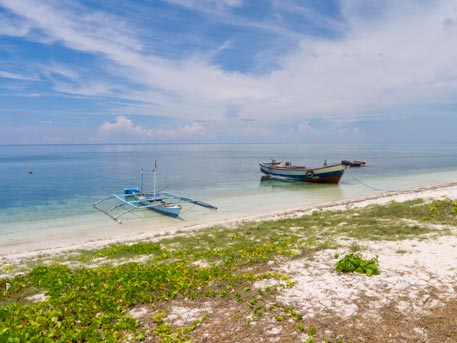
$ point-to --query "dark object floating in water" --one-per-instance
(355, 163)
(29, 172)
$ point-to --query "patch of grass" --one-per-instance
(355, 247)
(440, 211)
(311, 331)
(125, 251)
(387, 231)
(327, 244)
(393, 209)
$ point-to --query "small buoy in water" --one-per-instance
(29, 172)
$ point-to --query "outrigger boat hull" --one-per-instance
(168, 210)
(286, 171)
(156, 203)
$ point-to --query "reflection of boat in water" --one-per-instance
(266, 181)
(276, 183)
(305, 191)
(331, 173)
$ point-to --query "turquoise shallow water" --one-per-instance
(54, 201)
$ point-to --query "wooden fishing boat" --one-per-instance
(331, 173)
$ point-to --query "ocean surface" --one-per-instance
(47, 191)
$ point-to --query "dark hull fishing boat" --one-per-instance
(286, 171)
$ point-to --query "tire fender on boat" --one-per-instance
(310, 174)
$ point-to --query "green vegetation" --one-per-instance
(91, 304)
(439, 211)
(355, 263)
(87, 295)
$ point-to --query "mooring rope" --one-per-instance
(371, 187)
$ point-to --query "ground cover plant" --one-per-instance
(89, 295)
(355, 263)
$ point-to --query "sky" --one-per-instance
(228, 71)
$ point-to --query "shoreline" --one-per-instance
(443, 190)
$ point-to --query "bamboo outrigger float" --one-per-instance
(135, 199)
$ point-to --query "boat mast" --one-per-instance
(154, 170)
(141, 189)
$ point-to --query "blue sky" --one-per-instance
(209, 71)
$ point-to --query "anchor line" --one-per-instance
(371, 187)
(189, 208)
(164, 188)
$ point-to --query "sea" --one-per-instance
(47, 191)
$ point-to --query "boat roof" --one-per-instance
(282, 165)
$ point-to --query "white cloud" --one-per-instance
(60, 70)
(124, 128)
(13, 76)
(404, 55)
(123, 125)
(65, 23)
(349, 131)
(304, 128)
(302, 9)
(233, 3)
(13, 26)
(405, 59)
(192, 130)
(208, 5)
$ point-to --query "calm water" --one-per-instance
(67, 179)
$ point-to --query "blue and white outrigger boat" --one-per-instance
(134, 199)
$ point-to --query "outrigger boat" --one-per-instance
(134, 199)
(331, 173)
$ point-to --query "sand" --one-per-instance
(415, 280)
